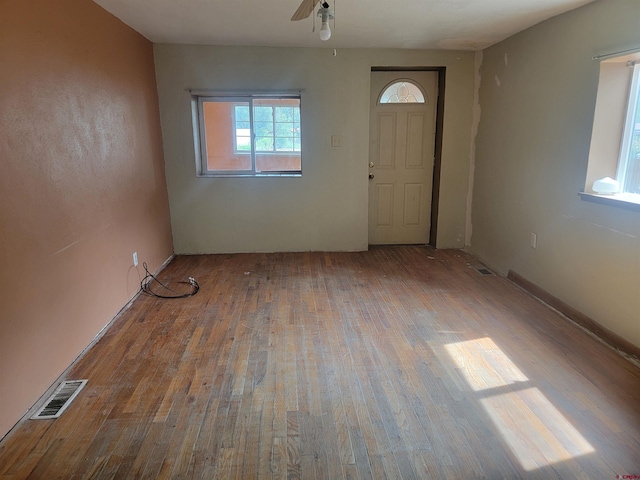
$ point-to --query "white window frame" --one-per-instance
(613, 132)
(629, 128)
(199, 133)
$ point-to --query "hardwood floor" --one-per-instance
(400, 362)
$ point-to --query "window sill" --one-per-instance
(268, 154)
(249, 175)
(628, 201)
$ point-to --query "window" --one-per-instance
(276, 127)
(404, 91)
(255, 135)
(628, 174)
(615, 139)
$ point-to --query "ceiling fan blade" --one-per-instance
(304, 10)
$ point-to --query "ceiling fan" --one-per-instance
(324, 12)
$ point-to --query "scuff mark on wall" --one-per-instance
(67, 247)
(597, 225)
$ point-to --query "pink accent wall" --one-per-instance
(82, 186)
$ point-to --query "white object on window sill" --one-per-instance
(606, 186)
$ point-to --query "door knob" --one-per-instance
(371, 176)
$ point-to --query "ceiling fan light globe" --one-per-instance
(325, 31)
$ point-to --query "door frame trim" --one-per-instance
(437, 154)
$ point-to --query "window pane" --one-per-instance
(242, 113)
(264, 144)
(402, 92)
(243, 144)
(632, 179)
(284, 114)
(628, 173)
(263, 129)
(284, 130)
(284, 144)
(262, 114)
(243, 129)
(632, 176)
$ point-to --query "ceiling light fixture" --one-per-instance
(325, 15)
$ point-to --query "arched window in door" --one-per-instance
(402, 91)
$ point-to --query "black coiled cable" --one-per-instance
(145, 286)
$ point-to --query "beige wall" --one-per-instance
(538, 97)
(326, 208)
(82, 186)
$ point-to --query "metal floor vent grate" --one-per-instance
(483, 270)
(60, 400)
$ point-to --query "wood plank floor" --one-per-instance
(399, 362)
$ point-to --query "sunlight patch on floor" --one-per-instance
(535, 431)
(483, 364)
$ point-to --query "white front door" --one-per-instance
(401, 157)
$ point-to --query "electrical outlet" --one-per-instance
(135, 259)
(533, 240)
(336, 140)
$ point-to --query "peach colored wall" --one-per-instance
(82, 186)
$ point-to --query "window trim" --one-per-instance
(199, 97)
(629, 127)
(612, 130)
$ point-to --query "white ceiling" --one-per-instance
(424, 24)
